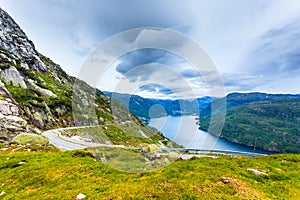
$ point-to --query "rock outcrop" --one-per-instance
(35, 93)
(12, 76)
(13, 39)
(256, 172)
(11, 124)
(45, 92)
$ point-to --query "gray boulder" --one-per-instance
(45, 92)
(7, 108)
(12, 76)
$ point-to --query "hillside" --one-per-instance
(273, 124)
(64, 175)
(37, 95)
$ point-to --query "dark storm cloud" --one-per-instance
(141, 57)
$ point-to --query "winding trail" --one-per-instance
(66, 143)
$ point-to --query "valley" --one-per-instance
(60, 138)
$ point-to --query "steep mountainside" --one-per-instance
(271, 125)
(36, 94)
(143, 107)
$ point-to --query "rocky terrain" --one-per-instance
(36, 94)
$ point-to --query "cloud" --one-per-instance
(277, 52)
(108, 17)
(68, 30)
(147, 56)
(95, 21)
(155, 80)
(242, 81)
(140, 57)
(190, 73)
(156, 88)
(253, 43)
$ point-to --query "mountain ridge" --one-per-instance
(141, 106)
(236, 99)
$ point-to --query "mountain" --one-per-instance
(146, 108)
(270, 125)
(238, 99)
(36, 94)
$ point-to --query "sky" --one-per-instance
(253, 44)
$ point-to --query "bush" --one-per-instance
(80, 154)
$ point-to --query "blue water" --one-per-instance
(184, 130)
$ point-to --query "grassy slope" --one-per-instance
(63, 175)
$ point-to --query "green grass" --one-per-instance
(26, 96)
(26, 138)
(63, 175)
(126, 160)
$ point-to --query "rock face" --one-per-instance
(13, 39)
(7, 108)
(35, 93)
(10, 122)
(12, 76)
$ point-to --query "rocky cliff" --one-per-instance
(35, 93)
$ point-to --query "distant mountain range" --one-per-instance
(146, 108)
(141, 106)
